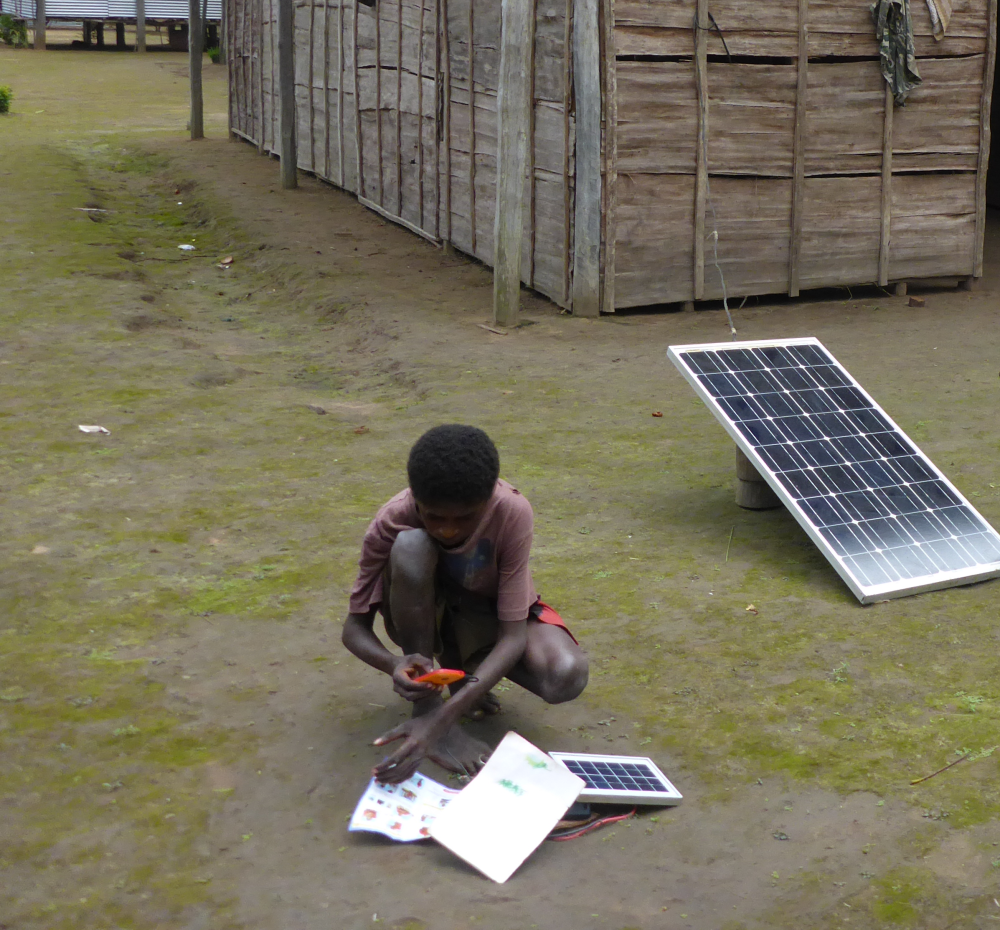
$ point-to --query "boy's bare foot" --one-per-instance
(488, 706)
(458, 752)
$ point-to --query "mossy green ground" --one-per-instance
(220, 501)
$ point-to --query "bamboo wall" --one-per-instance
(789, 150)
(415, 149)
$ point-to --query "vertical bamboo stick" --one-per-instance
(611, 148)
(701, 154)
(378, 104)
(886, 221)
(340, 90)
(472, 126)
(445, 75)
(399, 107)
(358, 143)
(272, 21)
(312, 83)
(530, 275)
(984, 138)
(420, 116)
(326, 88)
(567, 193)
(798, 151)
(438, 115)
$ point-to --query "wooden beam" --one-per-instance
(798, 151)
(326, 89)
(140, 25)
(567, 192)
(701, 151)
(399, 105)
(472, 124)
(444, 74)
(513, 103)
(39, 25)
(611, 155)
(530, 149)
(984, 139)
(359, 147)
(886, 221)
(340, 91)
(312, 84)
(286, 94)
(587, 83)
(196, 43)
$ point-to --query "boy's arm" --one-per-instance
(359, 638)
(420, 733)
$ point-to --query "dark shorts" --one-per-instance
(467, 625)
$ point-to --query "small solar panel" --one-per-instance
(619, 779)
(885, 517)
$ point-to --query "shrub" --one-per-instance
(13, 31)
(213, 55)
(6, 95)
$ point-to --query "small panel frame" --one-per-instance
(866, 594)
(668, 798)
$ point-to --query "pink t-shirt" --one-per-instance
(492, 562)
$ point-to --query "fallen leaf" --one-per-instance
(228, 260)
(40, 550)
(656, 413)
(361, 430)
(751, 609)
(316, 408)
(94, 429)
(779, 835)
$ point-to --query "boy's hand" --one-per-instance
(408, 668)
(418, 735)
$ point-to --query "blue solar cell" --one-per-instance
(885, 512)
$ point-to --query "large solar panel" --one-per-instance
(619, 779)
(887, 519)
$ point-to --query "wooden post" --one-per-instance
(752, 491)
(886, 221)
(587, 241)
(512, 145)
(140, 25)
(286, 91)
(88, 33)
(701, 27)
(798, 151)
(984, 138)
(119, 34)
(99, 28)
(196, 41)
(610, 58)
(40, 25)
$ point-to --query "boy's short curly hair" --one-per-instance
(453, 464)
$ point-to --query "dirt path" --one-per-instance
(183, 735)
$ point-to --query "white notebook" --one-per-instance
(505, 812)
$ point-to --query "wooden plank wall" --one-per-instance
(754, 190)
(426, 153)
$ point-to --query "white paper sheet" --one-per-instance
(402, 812)
(506, 811)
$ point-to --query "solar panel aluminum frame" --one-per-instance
(866, 594)
(667, 798)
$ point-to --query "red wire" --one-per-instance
(593, 826)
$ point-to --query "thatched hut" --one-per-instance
(759, 152)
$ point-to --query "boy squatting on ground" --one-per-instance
(446, 564)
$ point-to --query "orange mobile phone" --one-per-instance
(441, 676)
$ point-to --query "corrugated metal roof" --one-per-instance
(106, 9)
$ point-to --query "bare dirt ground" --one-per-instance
(183, 736)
